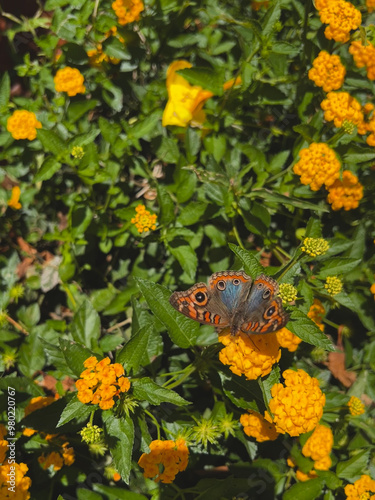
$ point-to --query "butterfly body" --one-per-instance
(232, 299)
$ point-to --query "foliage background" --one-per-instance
(225, 196)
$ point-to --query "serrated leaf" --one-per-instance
(120, 433)
(145, 389)
(354, 467)
(52, 142)
(132, 353)
(250, 263)
(113, 493)
(4, 92)
(181, 330)
(185, 255)
(273, 197)
(77, 109)
(302, 326)
(75, 409)
(206, 78)
(243, 393)
(313, 228)
(166, 205)
(85, 326)
(337, 265)
(268, 382)
(75, 355)
(48, 169)
(308, 490)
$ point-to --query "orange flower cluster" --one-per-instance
(14, 201)
(58, 459)
(364, 56)
(356, 407)
(345, 193)
(327, 71)
(97, 57)
(257, 427)
(370, 4)
(39, 402)
(22, 485)
(127, 11)
(319, 446)
(316, 313)
(318, 165)
(101, 382)
(69, 80)
(172, 456)
(341, 17)
(361, 489)
(23, 124)
(341, 107)
(252, 356)
(296, 406)
(287, 339)
(144, 220)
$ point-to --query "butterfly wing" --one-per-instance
(263, 311)
(216, 303)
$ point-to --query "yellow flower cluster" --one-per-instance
(318, 165)
(333, 285)
(327, 71)
(345, 193)
(370, 4)
(315, 246)
(97, 57)
(364, 56)
(22, 485)
(341, 107)
(257, 427)
(287, 293)
(101, 382)
(144, 220)
(250, 355)
(14, 201)
(127, 11)
(287, 339)
(316, 313)
(172, 456)
(69, 80)
(341, 17)
(361, 489)
(39, 402)
(319, 446)
(356, 407)
(58, 459)
(296, 406)
(23, 124)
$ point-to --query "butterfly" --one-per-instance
(233, 299)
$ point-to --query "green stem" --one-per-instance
(237, 236)
(69, 294)
(181, 379)
(331, 323)
(155, 422)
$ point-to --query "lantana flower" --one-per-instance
(23, 125)
(319, 446)
(144, 220)
(256, 426)
(165, 460)
(327, 72)
(342, 17)
(288, 339)
(250, 355)
(127, 11)
(101, 382)
(363, 488)
(14, 201)
(345, 193)
(356, 407)
(316, 313)
(296, 406)
(22, 481)
(69, 80)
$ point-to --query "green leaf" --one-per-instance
(273, 197)
(250, 263)
(52, 142)
(167, 150)
(242, 392)
(85, 326)
(75, 409)
(133, 352)
(120, 433)
(145, 389)
(206, 78)
(337, 265)
(308, 490)
(268, 382)
(185, 255)
(4, 92)
(48, 169)
(21, 385)
(166, 205)
(77, 109)
(75, 355)
(354, 467)
(181, 330)
(192, 213)
(113, 493)
(144, 126)
(313, 228)
(302, 326)
(271, 18)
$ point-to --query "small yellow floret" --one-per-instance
(356, 407)
(327, 71)
(144, 220)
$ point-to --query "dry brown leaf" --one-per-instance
(336, 365)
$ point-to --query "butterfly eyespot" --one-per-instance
(236, 281)
(270, 311)
(266, 293)
(200, 297)
(221, 285)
